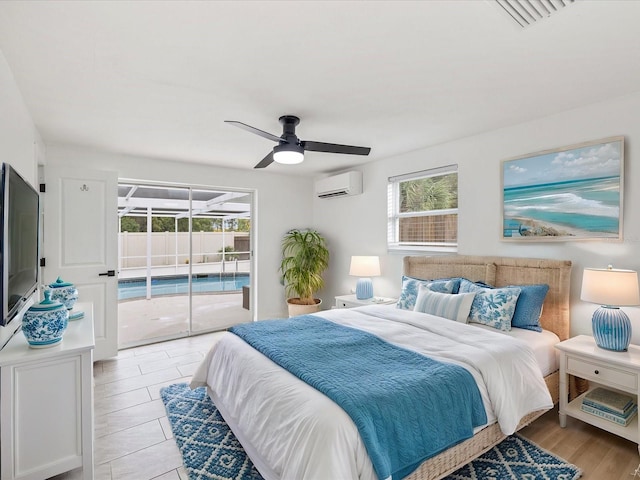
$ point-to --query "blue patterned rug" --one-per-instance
(209, 448)
(516, 458)
(211, 451)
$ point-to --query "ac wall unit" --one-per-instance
(341, 185)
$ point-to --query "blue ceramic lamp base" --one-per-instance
(364, 289)
(611, 328)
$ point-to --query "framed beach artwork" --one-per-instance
(569, 193)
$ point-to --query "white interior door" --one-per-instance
(80, 243)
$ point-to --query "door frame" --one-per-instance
(253, 231)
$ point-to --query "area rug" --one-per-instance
(516, 458)
(211, 451)
(209, 448)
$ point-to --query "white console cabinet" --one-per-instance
(46, 404)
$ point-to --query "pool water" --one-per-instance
(178, 285)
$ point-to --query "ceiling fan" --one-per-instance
(290, 148)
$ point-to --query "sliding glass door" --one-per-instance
(184, 261)
(220, 243)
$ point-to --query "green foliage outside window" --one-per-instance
(167, 224)
(129, 224)
(431, 193)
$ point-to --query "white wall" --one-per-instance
(19, 140)
(282, 202)
(357, 225)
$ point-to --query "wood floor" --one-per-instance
(600, 455)
(133, 439)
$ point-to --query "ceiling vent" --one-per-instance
(528, 12)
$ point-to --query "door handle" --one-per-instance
(108, 273)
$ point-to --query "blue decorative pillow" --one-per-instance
(494, 307)
(410, 286)
(455, 280)
(529, 306)
(467, 285)
(453, 307)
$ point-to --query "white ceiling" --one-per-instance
(157, 79)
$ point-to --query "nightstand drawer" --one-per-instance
(599, 373)
(350, 301)
(343, 304)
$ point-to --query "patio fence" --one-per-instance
(170, 249)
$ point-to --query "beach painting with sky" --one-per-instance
(571, 193)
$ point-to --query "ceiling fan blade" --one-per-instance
(255, 130)
(266, 161)
(334, 148)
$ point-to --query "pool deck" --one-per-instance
(164, 317)
(145, 321)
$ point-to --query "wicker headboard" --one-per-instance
(502, 271)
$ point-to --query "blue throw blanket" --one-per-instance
(407, 407)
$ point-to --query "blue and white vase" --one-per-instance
(64, 292)
(44, 323)
(611, 329)
(364, 289)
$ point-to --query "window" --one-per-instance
(423, 210)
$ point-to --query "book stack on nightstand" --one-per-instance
(613, 406)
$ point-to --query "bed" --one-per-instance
(264, 404)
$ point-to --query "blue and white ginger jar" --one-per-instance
(64, 292)
(44, 323)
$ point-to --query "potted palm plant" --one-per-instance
(304, 257)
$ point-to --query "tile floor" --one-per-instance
(133, 439)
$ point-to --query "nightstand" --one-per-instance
(580, 357)
(350, 301)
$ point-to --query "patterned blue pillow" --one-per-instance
(467, 285)
(494, 307)
(529, 306)
(410, 286)
(453, 307)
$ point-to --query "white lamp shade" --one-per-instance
(365, 266)
(609, 286)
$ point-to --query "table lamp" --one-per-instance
(612, 289)
(364, 267)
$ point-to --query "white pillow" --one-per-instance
(454, 307)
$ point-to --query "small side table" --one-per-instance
(581, 357)
(350, 301)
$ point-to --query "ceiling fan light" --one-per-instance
(288, 154)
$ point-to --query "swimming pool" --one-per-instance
(133, 288)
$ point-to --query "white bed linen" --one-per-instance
(292, 431)
(542, 343)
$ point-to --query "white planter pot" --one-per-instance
(295, 310)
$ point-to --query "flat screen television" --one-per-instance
(18, 242)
